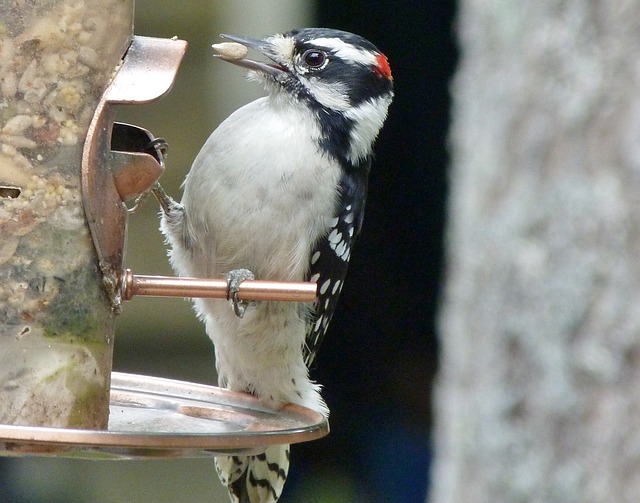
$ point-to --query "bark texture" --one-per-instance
(538, 397)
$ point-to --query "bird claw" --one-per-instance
(168, 205)
(234, 280)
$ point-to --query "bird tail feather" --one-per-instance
(255, 479)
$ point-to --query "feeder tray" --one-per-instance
(152, 417)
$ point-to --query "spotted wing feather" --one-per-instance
(330, 257)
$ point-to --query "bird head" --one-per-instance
(342, 77)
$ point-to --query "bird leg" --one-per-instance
(165, 200)
(234, 280)
(173, 210)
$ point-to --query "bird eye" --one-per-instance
(314, 59)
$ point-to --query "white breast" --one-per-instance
(260, 190)
(258, 196)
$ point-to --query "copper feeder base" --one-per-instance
(152, 417)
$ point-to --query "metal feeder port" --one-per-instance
(66, 171)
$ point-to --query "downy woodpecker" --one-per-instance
(279, 188)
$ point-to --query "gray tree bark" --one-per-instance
(538, 397)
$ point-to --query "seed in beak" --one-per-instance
(230, 51)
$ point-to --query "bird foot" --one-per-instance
(234, 280)
(167, 203)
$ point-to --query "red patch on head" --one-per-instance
(382, 67)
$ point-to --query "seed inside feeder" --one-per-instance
(230, 50)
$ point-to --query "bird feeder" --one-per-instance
(66, 171)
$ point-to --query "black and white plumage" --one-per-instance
(279, 188)
(330, 257)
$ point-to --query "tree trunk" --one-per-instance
(538, 397)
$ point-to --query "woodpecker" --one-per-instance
(278, 190)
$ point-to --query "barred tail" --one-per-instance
(255, 479)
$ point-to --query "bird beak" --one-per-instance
(265, 47)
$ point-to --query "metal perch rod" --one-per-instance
(171, 286)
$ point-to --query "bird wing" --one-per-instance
(330, 257)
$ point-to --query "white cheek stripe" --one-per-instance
(346, 51)
(331, 95)
(367, 118)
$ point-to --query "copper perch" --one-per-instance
(171, 286)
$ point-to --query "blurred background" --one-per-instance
(380, 354)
